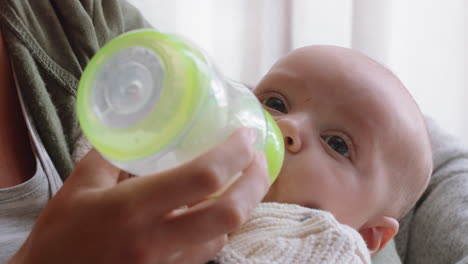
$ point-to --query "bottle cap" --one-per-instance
(125, 100)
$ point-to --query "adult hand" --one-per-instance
(96, 218)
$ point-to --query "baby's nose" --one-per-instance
(292, 129)
(292, 143)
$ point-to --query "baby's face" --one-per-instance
(343, 123)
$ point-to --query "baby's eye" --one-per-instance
(276, 104)
(338, 144)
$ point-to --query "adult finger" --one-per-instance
(193, 181)
(224, 214)
(93, 171)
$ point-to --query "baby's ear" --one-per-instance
(378, 232)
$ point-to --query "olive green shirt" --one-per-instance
(50, 43)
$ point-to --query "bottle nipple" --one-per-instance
(127, 87)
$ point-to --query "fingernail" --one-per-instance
(262, 160)
(264, 165)
(252, 135)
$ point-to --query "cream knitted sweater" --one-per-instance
(290, 234)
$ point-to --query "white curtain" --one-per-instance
(424, 42)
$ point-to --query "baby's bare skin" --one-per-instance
(356, 142)
(17, 161)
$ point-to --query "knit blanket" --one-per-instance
(287, 233)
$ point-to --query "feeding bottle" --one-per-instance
(150, 101)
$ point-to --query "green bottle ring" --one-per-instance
(136, 142)
(274, 148)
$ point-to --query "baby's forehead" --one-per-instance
(334, 77)
(355, 87)
(334, 62)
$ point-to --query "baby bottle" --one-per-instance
(150, 101)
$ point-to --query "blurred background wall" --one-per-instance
(423, 42)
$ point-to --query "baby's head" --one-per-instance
(356, 142)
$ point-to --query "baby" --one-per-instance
(356, 142)
(356, 148)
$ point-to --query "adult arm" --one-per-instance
(95, 218)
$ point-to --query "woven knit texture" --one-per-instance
(290, 234)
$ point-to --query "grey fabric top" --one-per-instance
(436, 230)
(20, 205)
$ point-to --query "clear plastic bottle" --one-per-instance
(150, 101)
